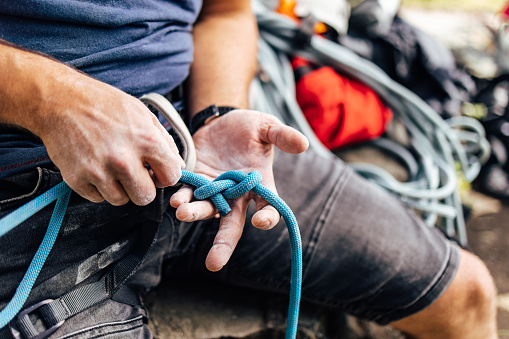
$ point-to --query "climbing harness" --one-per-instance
(229, 185)
(436, 146)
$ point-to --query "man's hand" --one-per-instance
(102, 139)
(105, 142)
(240, 140)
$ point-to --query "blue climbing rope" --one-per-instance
(61, 194)
(233, 184)
(229, 185)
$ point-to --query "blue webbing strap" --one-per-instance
(229, 185)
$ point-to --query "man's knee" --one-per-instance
(467, 309)
(481, 293)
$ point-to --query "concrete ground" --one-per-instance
(197, 309)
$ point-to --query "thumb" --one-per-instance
(284, 137)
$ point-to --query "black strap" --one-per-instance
(305, 32)
(53, 313)
(205, 115)
(176, 94)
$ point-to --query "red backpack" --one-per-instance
(341, 111)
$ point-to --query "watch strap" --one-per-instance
(206, 115)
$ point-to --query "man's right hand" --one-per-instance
(103, 141)
(106, 143)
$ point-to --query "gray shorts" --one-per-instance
(363, 252)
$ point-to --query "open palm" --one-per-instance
(240, 140)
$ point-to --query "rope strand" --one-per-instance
(229, 185)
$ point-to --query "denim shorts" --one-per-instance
(363, 251)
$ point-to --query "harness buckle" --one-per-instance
(22, 327)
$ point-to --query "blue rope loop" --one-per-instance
(234, 184)
(61, 193)
(229, 185)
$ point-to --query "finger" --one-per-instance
(282, 136)
(163, 157)
(165, 164)
(169, 140)
(182, 196)
(265, 217)
(227, 237)
(197, 210)
(137, 183)
(81, 186)
(113, 193)
(154, 178)
(88, 192)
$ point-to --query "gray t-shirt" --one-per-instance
(139, 46)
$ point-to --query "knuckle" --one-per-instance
(151, 142)
(90, 193)
(224, 244)
(94, 174)
(119, 201)
(120, 163)
(144, 198)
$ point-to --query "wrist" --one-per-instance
(206, 115)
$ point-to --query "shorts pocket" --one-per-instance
(109, 319)
(124, 329)
(19, 189)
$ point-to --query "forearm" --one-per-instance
(99, 137)
(28, 80)
(225, 40)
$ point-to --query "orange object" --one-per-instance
(287, 7)
(341, 111)
(320, 28)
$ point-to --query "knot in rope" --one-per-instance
(233, 184)
(229, 185)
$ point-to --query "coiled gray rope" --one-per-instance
(436, 145)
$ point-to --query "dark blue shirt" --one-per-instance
(139, 46)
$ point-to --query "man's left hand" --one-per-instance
(240, 140)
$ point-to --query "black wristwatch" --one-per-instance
(206, 115)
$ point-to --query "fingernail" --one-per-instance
(264, 223)
(176, 176)
(174, 202)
